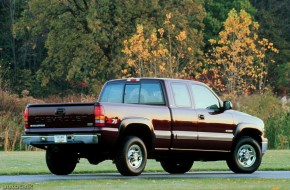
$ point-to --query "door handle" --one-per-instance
(60, 112)
(200, 116)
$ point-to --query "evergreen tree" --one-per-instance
(273, 16)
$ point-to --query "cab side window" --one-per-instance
(204, 98)
(181, 95)
(151, 94)
(113, 93)
(144, 93)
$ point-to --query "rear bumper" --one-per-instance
(60, 139)
(264, 145)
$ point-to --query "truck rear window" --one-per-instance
(137, 93)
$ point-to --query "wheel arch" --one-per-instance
(139, 127)
(249, 130)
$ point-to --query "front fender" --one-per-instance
(252, 126)
(256, 131)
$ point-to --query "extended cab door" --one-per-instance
(184, 117)
(215, 126)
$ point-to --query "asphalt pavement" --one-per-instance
(145, 176)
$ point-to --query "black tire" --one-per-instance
(246, 156)
(176, 166)
(131, 158)
(60, 163)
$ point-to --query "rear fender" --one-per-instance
(135, 121)
(140, 127)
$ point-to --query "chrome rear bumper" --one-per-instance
(60, 139)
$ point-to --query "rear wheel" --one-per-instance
(60, 162)
(176, 166)
(246, 157)
(132, 157)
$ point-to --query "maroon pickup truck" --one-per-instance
(175, 122)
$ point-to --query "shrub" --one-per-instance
(11, 119)
(11, 115)
(276, 118)
(266, 107)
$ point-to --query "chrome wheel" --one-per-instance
(131, 158)
(246, 155)
(135, 156)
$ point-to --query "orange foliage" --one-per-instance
(155, 55)
(237, 63)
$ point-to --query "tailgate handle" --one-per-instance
(60, 111)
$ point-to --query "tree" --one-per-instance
(217, 12)
(238, 61)
(73, 43)
(71, 56)
(158, 55)
(283, 78)
(274, 20)
(11, 74)
(170, 48)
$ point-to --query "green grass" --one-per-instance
(174, 184)
(15, 163)
(34, 163)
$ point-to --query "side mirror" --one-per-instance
(227, 105)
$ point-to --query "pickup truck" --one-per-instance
(173, 121)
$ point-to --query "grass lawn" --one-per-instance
(14, 163)
(174, 184)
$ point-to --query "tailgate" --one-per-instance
(67, 115)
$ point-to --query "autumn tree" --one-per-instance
(217, 12)
(238, 61)
(149, 56)
(165, 52)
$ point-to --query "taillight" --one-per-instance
(99, 116)
(26, 113)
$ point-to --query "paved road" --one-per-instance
(144, 176)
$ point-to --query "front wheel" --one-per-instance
(176, 166)
(60, 162)
(246, 157)
(132, 157)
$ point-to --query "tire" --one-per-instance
(246, 156)
(176, 166)
(131, 158)
(60, 163)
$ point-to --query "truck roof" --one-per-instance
(151, 78)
